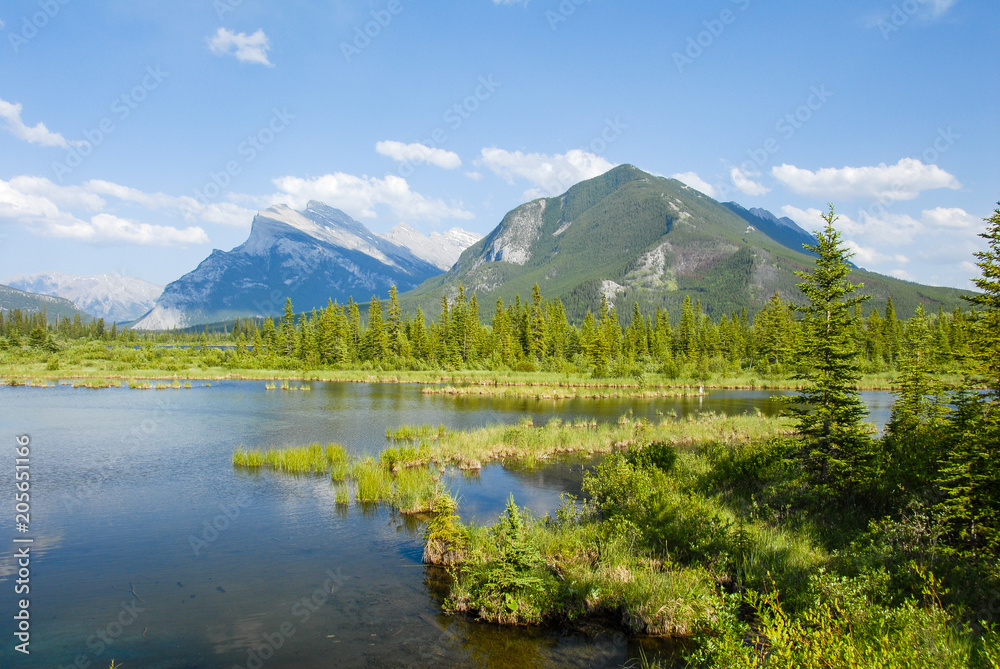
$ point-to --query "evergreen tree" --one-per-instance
(536, 325)
(829, 410)
(988, 325)
(687, 335)
(375, 343)
(970, 476)
(394, 325)
(916, 432)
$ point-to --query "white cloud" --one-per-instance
(65, 197)
(107, 228)
(552, 175)
(10, 112)
(937, 8)
(359, 196)
(419, 153)
(922, 10)
(694, 181)
(223, 213)
(37, 204)
(868, 256)
(954, 218)
(886, 183)
(935, 248)
(475, 175)
(745, 184)
(247, 48)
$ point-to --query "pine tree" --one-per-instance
(394, 325)
(536, 325)
(829, 410)
(988, 325)
(687, 335)
(915, 434)
(970, 476)
(374, 343)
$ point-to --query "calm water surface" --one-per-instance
(125, 564)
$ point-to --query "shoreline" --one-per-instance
(473, 383)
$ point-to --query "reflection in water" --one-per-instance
(123, 480)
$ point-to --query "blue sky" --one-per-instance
(136, 137)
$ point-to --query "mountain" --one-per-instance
(783, 230)
(113, 297)
(639, 238)
(439, 249)
(312, 256)
(54, 307)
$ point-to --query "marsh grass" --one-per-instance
(373, 481)
(532, 446)
(342, 497)
(311, 459)
(98, 383)
(397, 478)
(416, 433)
(560, 392)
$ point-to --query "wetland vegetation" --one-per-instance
(807, 540)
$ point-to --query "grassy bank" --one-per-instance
(98, 361)
(704, 530)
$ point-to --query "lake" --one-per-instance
(150, 548)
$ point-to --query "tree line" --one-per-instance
(933, 476)
(532, 335)
(536, 335)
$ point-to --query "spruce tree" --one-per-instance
(970, 477)
(829, 410)
(988, 325)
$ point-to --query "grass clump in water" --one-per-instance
(416, 433)
(374, 482)
(311, 459)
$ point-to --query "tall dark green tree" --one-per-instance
(988, 302)
(829, 410)
(970, 475)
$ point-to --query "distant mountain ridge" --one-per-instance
(113, 297)
(311, 256)
(783, 230)
(637, 238)
(439, 249)
(54, 307)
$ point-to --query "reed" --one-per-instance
(343, 496)
(374, 483)
(97, 383)
(416, 433)
(416, 490)
(311, 459)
